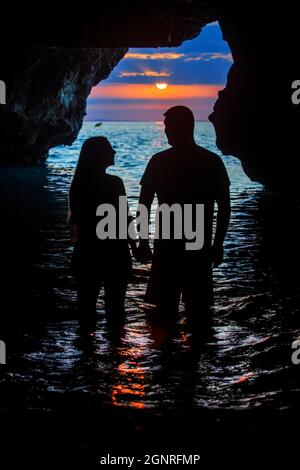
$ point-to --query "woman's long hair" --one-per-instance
(90, 163)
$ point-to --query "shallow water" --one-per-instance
(246, 360)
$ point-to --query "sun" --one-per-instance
(161, 86)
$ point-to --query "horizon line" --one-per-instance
(134, 120)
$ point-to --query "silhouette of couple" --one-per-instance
(185, 173)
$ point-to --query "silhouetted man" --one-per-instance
(185, 174)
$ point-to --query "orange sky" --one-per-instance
(143, 91)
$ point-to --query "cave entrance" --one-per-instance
(128, 106)
(147, 81)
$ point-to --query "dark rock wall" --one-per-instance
(246, 114)
(47, 90)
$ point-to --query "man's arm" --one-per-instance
(146, 199)
(222, 224)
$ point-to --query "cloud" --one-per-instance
(153, 56)
(147, 73)
(206, 56)
(203, 56)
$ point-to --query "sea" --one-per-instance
(244, 364)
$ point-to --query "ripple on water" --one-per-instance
(245, 362)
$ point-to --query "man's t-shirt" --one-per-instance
(191, 176)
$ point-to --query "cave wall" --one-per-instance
(50, 75)
(47, 89)
(246, 114)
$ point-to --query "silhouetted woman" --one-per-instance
(97, 262)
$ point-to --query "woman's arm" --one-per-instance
(74, 230)
(72, 219)
(131, 231)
